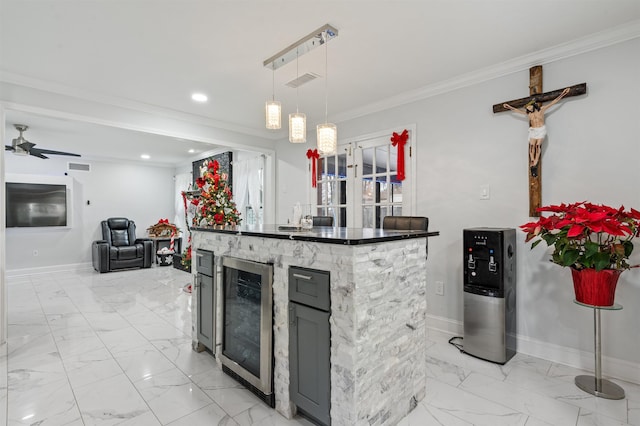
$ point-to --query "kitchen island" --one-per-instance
(377, 287)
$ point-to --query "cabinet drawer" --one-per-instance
(309, 287)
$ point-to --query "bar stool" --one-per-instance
(407, 223)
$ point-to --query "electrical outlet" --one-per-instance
(35, 252)
(439, 288)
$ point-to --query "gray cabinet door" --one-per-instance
(205, 311)
(309, 361)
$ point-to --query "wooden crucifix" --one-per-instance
(537, 131)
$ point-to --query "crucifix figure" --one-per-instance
(537, 131)
(535, 111)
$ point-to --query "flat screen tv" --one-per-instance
(35, 205)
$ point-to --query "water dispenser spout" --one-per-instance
(471, 263)
(493, 266)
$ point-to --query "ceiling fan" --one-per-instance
(22, 146)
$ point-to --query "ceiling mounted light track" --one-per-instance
(302, 46)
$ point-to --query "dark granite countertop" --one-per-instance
(321, 234)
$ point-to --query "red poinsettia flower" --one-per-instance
(218, 218)
(586, 235)
(200, 182)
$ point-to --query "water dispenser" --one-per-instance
(490, 293)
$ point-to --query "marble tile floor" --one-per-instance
(526, 391)
(115, 349)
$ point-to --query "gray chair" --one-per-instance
(119, 248)
(322, 220)
(409, 223)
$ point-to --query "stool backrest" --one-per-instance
(322, 220)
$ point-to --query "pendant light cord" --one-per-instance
(273, 82)
(326, 77)
(297, 76)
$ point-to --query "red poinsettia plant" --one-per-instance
(215, 205)
(586, 235)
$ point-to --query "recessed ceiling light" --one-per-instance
(191, 151)
(145, 156)
(199, 97)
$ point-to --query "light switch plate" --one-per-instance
(485, 192)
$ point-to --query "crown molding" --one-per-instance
(100, 98)
(579, 46)
(575, 47)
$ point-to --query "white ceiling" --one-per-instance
(156, 53)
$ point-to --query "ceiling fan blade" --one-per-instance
(26, 145)
(37, 153)
(9, 148)
(49, 151)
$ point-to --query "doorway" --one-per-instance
(359, 184)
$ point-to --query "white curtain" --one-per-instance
(248, 185)
(182, 182)
(240, 187)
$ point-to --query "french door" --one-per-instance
(359, 185)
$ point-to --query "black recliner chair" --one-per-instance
(119, 248)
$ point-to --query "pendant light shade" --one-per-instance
(273, 114)
(297, 128)
(327, 135)
(297, 120)
(272, 108)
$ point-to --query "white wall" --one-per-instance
(591, 153)
(130, 190)
(292, 177)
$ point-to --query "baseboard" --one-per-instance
(444, 325)
(48, 269)
(611, 367)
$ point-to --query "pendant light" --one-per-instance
(327, 133)
(297, 120)
(273, 109)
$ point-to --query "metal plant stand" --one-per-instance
(596, 385)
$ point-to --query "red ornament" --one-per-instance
(400, 140)
(313, 156)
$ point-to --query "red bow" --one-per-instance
(313, 156)
(400, 140)
(164, 221)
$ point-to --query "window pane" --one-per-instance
(383, 188)
(397, 210)
(382, 154)
(320, 170)
(381, 212)
(367, 217)
(394, 178)
(342, 217)
(331, 165)
(330, 196)
(342, 165)
(368, 191)
(331, 211)
(367, 161)
(396, 193)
